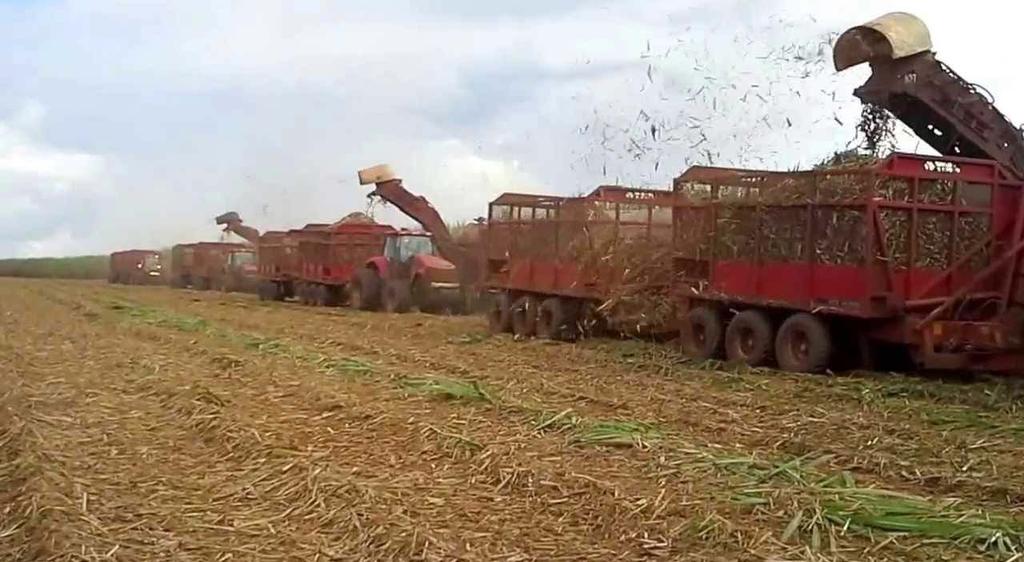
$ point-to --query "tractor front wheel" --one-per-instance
(397, 296)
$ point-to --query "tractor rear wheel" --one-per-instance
(750, 339)
(499, 315)
(556, 319)
(364, 292)
(397, 296)
(804, 344)
(524, 316)
(703, 334)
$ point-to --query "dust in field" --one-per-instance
(206, 426)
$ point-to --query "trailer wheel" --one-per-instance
(524, 316)
(590, 321)
(703, 334)
(318, 293)
(750, 339)
(499, 314)
(302, 293)
(556, 319)
(265, 290)
(278, 291)
(804, 344)
(364, 293)
(333, 295)
(202, 284)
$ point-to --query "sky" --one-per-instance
(131, 124)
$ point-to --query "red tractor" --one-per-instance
(427, 270)
(409, 274)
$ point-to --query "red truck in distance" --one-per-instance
(136, 267)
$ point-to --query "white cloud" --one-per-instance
(27, 161)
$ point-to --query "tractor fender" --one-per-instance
(379, 263)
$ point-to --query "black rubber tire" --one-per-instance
(333, 295)
(202, 284)
(499, 315)
(265, 290)
(804, 344)
(281, 290)
(524, 316)
(556, 319)
(397, 296)
(750, 339)
(318, 294)
(423, 295)
(365, 289)
(702, 336)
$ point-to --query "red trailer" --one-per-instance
(209, 265)
(913, 253)
(135, 267)
(558, 264)
(330, 258)
(278, 263)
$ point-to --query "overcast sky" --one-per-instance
(133, 123)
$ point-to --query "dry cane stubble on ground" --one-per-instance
(145, 423)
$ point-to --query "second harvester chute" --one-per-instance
(954, 116)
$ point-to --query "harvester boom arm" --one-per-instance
(389, 188)
(233, 223)
(955, 117)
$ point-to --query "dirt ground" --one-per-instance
(144, 423)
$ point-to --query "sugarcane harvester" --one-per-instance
(955, 117)
(232, 222)
(428, 270)
(911, 255)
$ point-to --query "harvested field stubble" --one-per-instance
(177, 425)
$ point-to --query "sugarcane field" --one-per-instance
(599, 281)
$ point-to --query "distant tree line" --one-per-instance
(76, 267)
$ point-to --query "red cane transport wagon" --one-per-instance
(278, 262)
(912, 254)
(207, 265)
(558, 265)
(329, 260)
(135, 267)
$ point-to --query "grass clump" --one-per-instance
(962, 419)
(161, 318)
(449, 389)
(824, 506)
(617, 434)
(868, 510)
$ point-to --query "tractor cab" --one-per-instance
(403, 246)
(244, 260)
